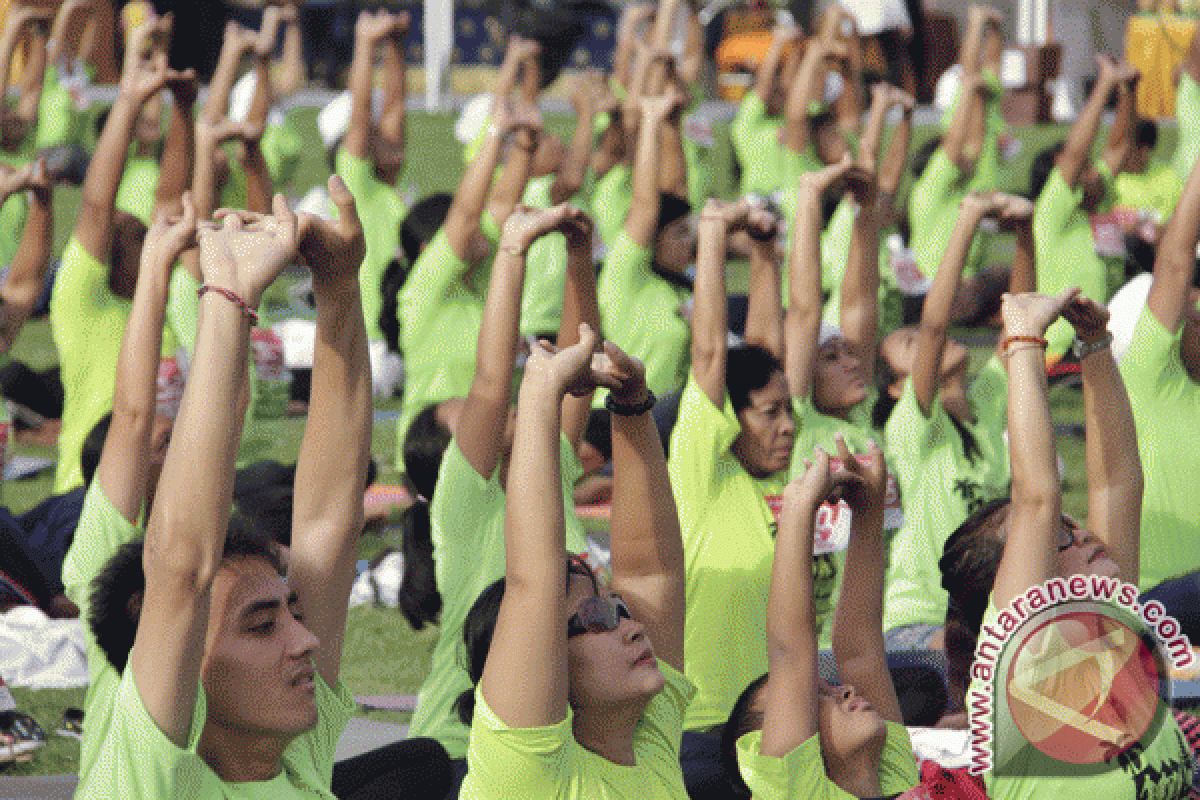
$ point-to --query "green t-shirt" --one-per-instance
(467, 517)
(12, 214)
(987, 174)
(546, 762)
(814, 429)
(545, 270)
(381, 210)
(801, 775)
(1155, 190)
(1187, 112)
(135, 195)
(440, 316)
(1066, 251)
(640, 312)
(88, 323)
(611, 201)
(137, 760)
(1159, 766)
(933, 214)
(755, 137)
(729, 545)
(101, 531)
(1166, 409)
(940, 487)
(58, 123)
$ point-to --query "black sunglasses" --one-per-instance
(1067, 537)
(598, 614)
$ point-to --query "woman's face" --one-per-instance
(847, 725)
(1081, 553)
(675, 245)
(258, 670)
(839, 380)
(611, 668)
(764, 445)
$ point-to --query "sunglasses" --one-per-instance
(598, 614)
(1067, 537)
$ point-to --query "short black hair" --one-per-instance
(122, 582)
(743, 719)
(1146, 134)
(93, 448)
(1043, 164)
(425, 443)
(748, 368)
(671, 208)
(422, 223)
(598, 432)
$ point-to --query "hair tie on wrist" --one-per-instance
(1036, 341)
(233, 297)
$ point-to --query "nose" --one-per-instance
(847, 691)
(631, 630)
(303, 641)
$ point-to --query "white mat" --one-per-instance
(40, 652)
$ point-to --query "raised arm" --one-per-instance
(1017, 217)
(858, 623)
(802, 323)
(328, 512)
(764, 317)
(891, 171)
(1175, 261)
(21, 19)
(26, 274)
(872, 134)
(177, 159)
(393, 122)
(238, 42)
(470, 199)
(939, 302)
(514, 176)
(588, 96)
(209, 138)
(672, 177)
(33, 74)
(961, 142)
(58, 48)
(579, 306)
(370, 30)
(259, 187)
(796, 134)
(1035, 515)
(1120, 135)
(188, 523)
(480, 432)
(859, 311)
(525, 677)
(1114, 468)
(1078, 148)
(709, 325)
(642, 220)
(124, 469)
(783, 39)
(647, 551)
(633, 16)
(791, 701)
(291, 72)
(144, 74)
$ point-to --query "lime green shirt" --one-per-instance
(640, 313)
(801, 775)
(101, 531)
(12, 214)
(381, 210)
(135, 194)
(1066, 251)
(1156, 190)
(987, 172)
(729, 546)
(1166, 409)
(547, 763)
(755, 137)
(611, 201)
(1158, 766)
(467, 517)
(440, 316)
(940, 487)
(88, 323)
(933, 214)
(1187, 112)
(545, 271)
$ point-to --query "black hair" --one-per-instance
(598, 432)
(93, 447)
(425, 443)
(117, 591)
(422, 223)
(557, 27)
(480, 625)
(1146, 134)
(331, 153)
(1043, 164)
(390, 283)
(420, 602)
(923, 154)
(885, 403)
(743, 719)
(970, 559)
(748, 368)
(671, 207)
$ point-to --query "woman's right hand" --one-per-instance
(576, 370)
(245, 252)
(1031, 313)
(526, 225)
(168, 237)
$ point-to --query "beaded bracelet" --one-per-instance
(232, 297)
(1037, 341)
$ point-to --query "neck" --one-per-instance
(609, 734)
(954, 397)
(859, 775)
(240, 756)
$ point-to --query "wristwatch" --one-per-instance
(1083, 349)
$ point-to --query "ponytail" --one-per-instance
(420, 601)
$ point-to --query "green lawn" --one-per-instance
(382, 653)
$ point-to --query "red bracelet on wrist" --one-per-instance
(1037, 341)
(233, 297)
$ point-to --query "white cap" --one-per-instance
(334, 119)
(828, 333)
(473, 118)
(241, 97)
(1125, 309)
(947, 88)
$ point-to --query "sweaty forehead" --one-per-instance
(244, 582)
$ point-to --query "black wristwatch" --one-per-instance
(1083, 349)
(623, 410)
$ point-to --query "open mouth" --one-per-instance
(646, 660)
(305, 680)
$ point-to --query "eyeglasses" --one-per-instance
(598, 614)
(1067, 537)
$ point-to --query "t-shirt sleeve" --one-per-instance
(138, 760)
(80, 288)
(1055, 205)
(100, 532)
(935, 183)
(989, 394)
(183, 308)
(800, 773)
(427, 284)
(1153, 358)
(702, 434)
(659, 734)
(358, 175)
(750, 116)
(516, 762)
(911, 433)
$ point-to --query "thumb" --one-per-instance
(344, 201)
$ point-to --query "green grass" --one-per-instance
(382, 653)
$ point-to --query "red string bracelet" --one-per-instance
(1037, 341)
(232, 297)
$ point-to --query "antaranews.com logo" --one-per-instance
(1070, 676)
